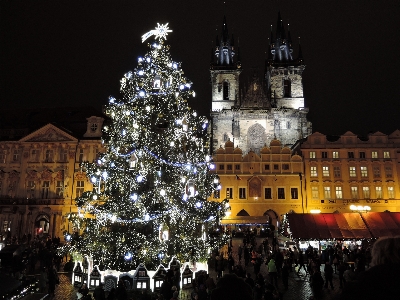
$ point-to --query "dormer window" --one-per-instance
(93, 127)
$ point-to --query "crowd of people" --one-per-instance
(362, 272)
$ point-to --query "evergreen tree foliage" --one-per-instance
(150, 187)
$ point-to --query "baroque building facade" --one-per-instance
(348, 170)
(39, 167)
(269, 108)
(260, 186)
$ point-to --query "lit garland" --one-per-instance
(149, 200)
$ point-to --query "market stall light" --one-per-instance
(360, 208)
(315, 211)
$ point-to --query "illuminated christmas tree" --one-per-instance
(149, 201)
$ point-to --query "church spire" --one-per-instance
(281, 51)
(225, 50)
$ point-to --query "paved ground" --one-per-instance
(299, 287)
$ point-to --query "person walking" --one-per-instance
(272, 272)
(328, 270)
(240, 252)
(99, 293)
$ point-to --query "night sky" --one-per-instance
(73, 53)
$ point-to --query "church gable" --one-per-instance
(49, 133)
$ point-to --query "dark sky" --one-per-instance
(73, 53)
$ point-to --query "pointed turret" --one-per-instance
(300, 58)
(224, 47)
(281, 48)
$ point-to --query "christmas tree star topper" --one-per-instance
(160, 32)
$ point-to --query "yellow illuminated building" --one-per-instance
(39, 168)
(260, 187)
(348, 170)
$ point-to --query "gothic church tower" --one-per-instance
(272, 108)
(224, 72)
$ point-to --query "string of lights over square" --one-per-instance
(149, 201)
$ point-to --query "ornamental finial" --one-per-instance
(160, 32)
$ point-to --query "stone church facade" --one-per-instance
(269, 108)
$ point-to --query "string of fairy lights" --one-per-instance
(150, 186)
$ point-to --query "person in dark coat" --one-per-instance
(231, 287)
(381, 281)
(328, 270)
(285, 274)
(99, 293)
(121, 291)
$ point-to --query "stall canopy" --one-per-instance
(382, 223)
(245, 220)
(328, 226)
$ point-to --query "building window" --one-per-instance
(30, 189)
(324, 154)
(325, 171)
(350, 154)
(3, 156)
(276, 167)
(225, 90)
(327, 192)
(390, 192)
(354, 192)
(229, 193)
(217, 194)
(362, 154)
(285, 167)
(386, 154)
(229, 167)
(377, 171)
(80, 155)
(364, 172)
(294, 192)
(287, 86)
(80, 187)
(281, 193)
(237, 167)
(388, 171)
(45, 189)
(59, 189)
(366, 193)
(314, 192)
(221, 167)
(35, 155)
(374, 154)
(266, 167)
(242, 193)
(48, 156)
(63, 155)
(352, 171)
(93, 127)
(335, 154)
(312, 154)
(268, 193)
(15, 157)
(313, 172)
(378, 191)
(337, 172)
(339, 192)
